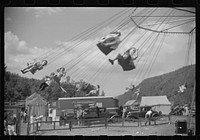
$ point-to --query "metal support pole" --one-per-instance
(70, 125)
(36, 126)
(88, 123)
(122, 121)
(193, 99)
(54, 125)
(105, 122)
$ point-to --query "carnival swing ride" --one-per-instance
(134, 37)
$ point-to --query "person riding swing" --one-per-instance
(109, 42)
(130, 88)
(127, 59)
(47, 82)
(33, 67)
(53, 77)
(182, 88)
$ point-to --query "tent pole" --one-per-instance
(29, 113)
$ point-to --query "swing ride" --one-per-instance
(147, 32)
(145, 29)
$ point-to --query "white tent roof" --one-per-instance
(154, 100)
(129, 103)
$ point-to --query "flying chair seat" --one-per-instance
(108, 43)
(125, 63)
(104, 49)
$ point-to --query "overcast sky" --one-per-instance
(34, 32)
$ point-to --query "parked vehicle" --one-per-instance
(193, 111)
(177, 110)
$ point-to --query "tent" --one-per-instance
(33, 96)
(159, 103)
(37, 105)
(130, 103)
(133, 104)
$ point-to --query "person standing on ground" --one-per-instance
(11, 124)
(148, 116)
(124, 112)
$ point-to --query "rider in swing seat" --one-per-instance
(47, 82)
(57, 77)
(182, 88)
(131, 87)
(127, 59)
(33, 67)
(109, 42)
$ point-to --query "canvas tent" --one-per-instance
(37, 105)
(131, 103)
(33, 96)
(159, 103)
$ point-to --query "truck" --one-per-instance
(106, 106)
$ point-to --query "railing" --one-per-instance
(34, 127)
(89, 123)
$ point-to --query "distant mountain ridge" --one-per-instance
(166, 84)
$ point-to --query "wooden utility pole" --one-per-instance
(192, 105)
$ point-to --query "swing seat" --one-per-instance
(104, 49)
(33, 70)
(128, 67)
(125, 63)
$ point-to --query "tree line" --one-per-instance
(17, 88)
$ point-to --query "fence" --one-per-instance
(34, 127)
(127, 122)
(88, 123)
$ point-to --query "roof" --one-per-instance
(154, 100)
(37, 101)
(32, 96)
(130, 102)
(91, 97)
(84, 102)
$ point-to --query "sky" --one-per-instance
(56, 34)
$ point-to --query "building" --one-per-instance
(66, 105)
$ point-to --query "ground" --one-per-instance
(163, 128)
(167, 129)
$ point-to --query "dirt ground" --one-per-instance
(163, 128)
(166, 129)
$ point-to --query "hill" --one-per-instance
(166, 84)
(17, 88)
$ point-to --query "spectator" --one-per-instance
(78, 115)
(11, 124)
(5, 124)
(120, 110)
(97, 108)
(148, 117)
(25, 116)
(5, 127)
(22, 115)
(124, 112)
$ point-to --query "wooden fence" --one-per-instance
(34, 127)
(88, 123)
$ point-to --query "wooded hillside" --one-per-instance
(18, 88)
(166, 84)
